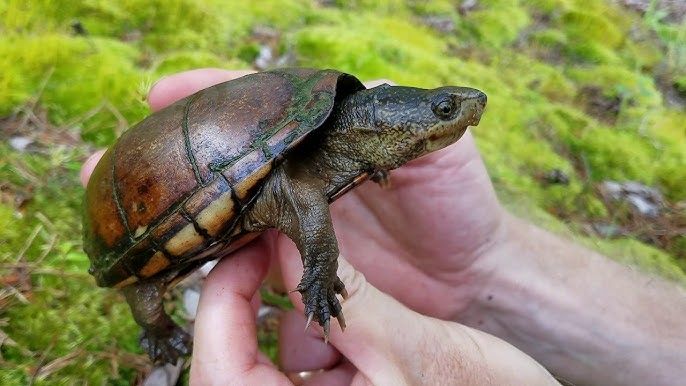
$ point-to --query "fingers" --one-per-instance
(390, 344)
(174, 87)
(376, 332)
(225, 342)
(89, 165)
(302, 350)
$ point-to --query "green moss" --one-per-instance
(499, 25)
(631, 85)
(549, 38)
(617, 155)
(556, 87)
(644, 54)
(533, 79)
(584, 26)
(38, 16)
(594, 206)
(666, 134)
(548, 7)
(351, 50)
(591, 52)
(680, 85)
(189, 60)
(678, 248)
(63, 297)
(72, 77)
(567, 122)
(375, 47)
(85, 328)
(585, 31)
(433, 8)
(377, 6)
(670, 175)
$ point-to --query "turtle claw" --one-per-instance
(321, 303)
(339, 287)
(383, 178)
(327, 330)
(166, 348)
(341, 320)
(309, 320)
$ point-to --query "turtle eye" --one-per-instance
(444, 107)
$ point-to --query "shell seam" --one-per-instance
(187, 140)
(117, 199)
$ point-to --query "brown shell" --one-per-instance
(173, 187)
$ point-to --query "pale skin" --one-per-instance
(455, 291)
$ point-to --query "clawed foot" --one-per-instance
(166, 347)
(321, 302)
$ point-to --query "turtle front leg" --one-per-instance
(312, 232)
(320, 283)
(163, 339)
(298, 207)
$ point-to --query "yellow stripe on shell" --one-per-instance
(187, 239)
(128, 281)
(157, 263)
(215, 215)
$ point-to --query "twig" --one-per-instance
(33, 101)
(39, 365)
(53, 236)
(28, 242)
(18, 294)
(123, 123)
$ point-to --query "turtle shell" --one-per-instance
(172, 189)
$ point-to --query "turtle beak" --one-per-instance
(478, 105)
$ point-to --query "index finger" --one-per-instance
(225, 340)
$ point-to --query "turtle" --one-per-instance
(206, 175)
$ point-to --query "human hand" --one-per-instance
(385, 343)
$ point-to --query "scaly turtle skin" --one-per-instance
(206, 175)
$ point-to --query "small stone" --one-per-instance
(608, 231)
(264, 58)
(205, 269)
(645, 200)
(191, 299)
(165, 375)
(443, 24)
(20, 143)
(556, 176)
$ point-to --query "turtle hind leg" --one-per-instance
(162, 338)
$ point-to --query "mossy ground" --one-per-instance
(586, 87)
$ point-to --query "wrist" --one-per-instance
(585, 317)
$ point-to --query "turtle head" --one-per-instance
(411, 122)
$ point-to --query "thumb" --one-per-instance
(389, 343)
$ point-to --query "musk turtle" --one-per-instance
(207, 174)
